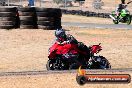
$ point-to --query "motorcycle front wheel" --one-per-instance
(56, 64)
(115, 21)
(50, 65)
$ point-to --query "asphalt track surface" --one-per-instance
(45, 72)
(93, 25)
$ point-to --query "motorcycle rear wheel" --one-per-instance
(105, 63)
(128, 20)
(102, 64)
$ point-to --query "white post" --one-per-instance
(40, 3)
(8, 2)
(20, 2)
(81, 5)
(65, 4)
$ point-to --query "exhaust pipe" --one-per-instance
(112, 17)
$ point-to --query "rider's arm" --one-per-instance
(71, 39)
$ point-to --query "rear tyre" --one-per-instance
(128, 20)
(103, 62)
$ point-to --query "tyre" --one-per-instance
(87, 13)
(103, 62)
(42, 9)
(83, 13)
(57, 27)
(50, 65)
(7, 23)
(45, 18)
(6, 27)
(27, 18)
(49, 12)
(7, 18)
(26, 13)
(57, 19)
(46, 27)
(8, 14)
(8, 9)
(57, 22)
(63, 11)
(45, 23)
(43, 14)
(90, 14)
(81, 80)
(106, 15)
(128, 20)
(101, 15)
(27, 22)
(27, 27)
(115, 21)
(73, 66)
(56, 12)
(26, 9)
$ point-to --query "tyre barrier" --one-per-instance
(30, 18)
(86, 13)
(48, 18)
(8, 18)
(27, 17)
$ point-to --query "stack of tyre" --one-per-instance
(48, 18)
(8, 17)
(27, 17)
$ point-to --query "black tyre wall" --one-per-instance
(30, 17)
(8, 18)
(27, 16)
(49, 18)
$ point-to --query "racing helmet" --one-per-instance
(60, 33)
(120, 6)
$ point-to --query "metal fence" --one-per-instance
(87, 5)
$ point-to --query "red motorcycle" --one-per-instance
(71, 56)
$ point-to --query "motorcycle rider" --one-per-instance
(122, 6)
(63, 38)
